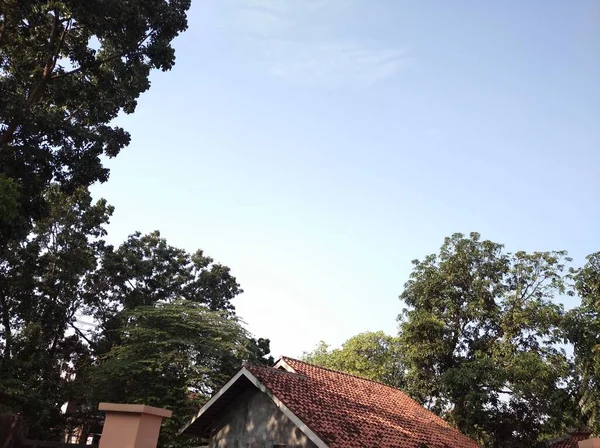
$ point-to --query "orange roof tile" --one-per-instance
(346, 411)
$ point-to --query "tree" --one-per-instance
(40, 298)
(74, 309)
(167, 331)
(321, 355)
(583, 331)
(145, 271)
(67, 69)
(479, 340)
(371, 355)
(170, 355)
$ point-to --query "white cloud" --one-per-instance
(334, 62)
(305, 40)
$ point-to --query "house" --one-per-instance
(296, 404)
(570, 440)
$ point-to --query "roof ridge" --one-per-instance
(555, 440)
(583, 430)
(274, 370)
(435, 416)
(345, 373)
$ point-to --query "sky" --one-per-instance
(316, 147)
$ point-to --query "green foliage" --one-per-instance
(9, 202)
(321, 356)
(481, 343)
(67, 69)
(479, 340)
(145, 270)
(371, 355)
(583, 331)
(168, 352)
(160, 328)
(40, 296)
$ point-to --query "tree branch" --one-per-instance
(8, 134)
(100, 62)
(94, 64)
(48, 67)
(36, 93)
(7, 330)
(500, 391)
(80, 333)
(74, 112)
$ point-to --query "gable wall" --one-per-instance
(254, 421)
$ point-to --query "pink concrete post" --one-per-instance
(131, 425)
(589, 443)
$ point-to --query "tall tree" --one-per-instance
(145, 271)
(167, 332)
(41, 286)
(67, 69)
(371, 355)
(479, 340)
(583, 331)
(171, 355)
(73, 309)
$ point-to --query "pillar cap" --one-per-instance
(135, 408)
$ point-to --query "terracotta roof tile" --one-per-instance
(570, 440)
(346, 411)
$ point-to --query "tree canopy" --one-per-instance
(480, 337)
(67, 69)
(371, 355)
(84, 322)
(41, 296)
(481, 342)
(80, 320)
(173, 355)
(583, 331)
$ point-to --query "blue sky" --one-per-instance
(318, 146)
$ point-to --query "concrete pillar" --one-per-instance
(589, 443)
(131, 425)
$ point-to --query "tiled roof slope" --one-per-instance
(346, 411)
(570, 440)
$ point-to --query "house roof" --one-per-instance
(338, 410)
(348, 411)
(570, 440)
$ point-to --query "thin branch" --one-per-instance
(65, 31)
(89, 66)
(133, 288)
(100, 62)
(74, 112)
(80, 333)
(500, 391)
